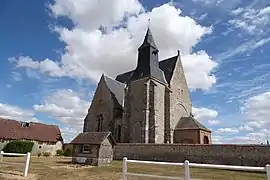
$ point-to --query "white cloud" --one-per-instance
(226, 130)
(256, 110)
(250, 19)
(214, 122)
(69, 132)
(69, 108)
(90, 52)
(256, 127)
(223, 5)
(246, 47)
(258, 137)
(191, 64)
(16, 76)
(92, 14)
(46, 66)
(16, 113)
(206, 115)
(64, 105)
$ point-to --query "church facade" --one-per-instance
(150, 104)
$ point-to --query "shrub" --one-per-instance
(68, 152)
(39, 154)
(17, 146)
(47, 154)
(59, 152)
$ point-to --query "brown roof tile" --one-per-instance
(13, 130)
(92, 138)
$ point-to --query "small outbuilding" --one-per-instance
(190, 131)
(93, 148)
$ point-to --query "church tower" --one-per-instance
(148, 62)
(145, 97)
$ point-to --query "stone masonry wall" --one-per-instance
(102, 104)
(159, 118)
(180, 102)
(182, 136)
(136, 106)
(226, 154)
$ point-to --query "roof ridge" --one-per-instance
(108, 77)
(171, 57)
(32, 122)
(197, 122)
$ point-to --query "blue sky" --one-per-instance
(53, 53)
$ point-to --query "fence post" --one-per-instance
(1, 156)
(124, 168)
(26, 164)
(187, 173)
(268, 171)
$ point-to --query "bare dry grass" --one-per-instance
(55, 168)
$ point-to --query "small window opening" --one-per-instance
(100, 122)
(86, 148)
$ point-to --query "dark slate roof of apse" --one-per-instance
(93, 138)
(190, 123)
(166, 65)
(13, 130)
(117, 89)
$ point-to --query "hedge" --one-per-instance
(17, 146)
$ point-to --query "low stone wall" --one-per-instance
(226, 154)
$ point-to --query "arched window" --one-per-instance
(205, 140)
(99, 121)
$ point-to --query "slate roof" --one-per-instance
(190, 123)
(147, 65)
(93, 138)
(166, 65)
(117, 89)
(13, 130)
(149, 39)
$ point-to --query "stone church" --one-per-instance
(150, 104)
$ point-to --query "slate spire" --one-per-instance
(149, 40)
(148, 61)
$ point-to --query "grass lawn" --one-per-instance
(56, 168)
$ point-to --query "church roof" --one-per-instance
(117, 89)
(190, 123)
(166, 65)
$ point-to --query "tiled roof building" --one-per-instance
(46, 137)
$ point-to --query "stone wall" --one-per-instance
(180, 102)
(101, 105)
(226, 154)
